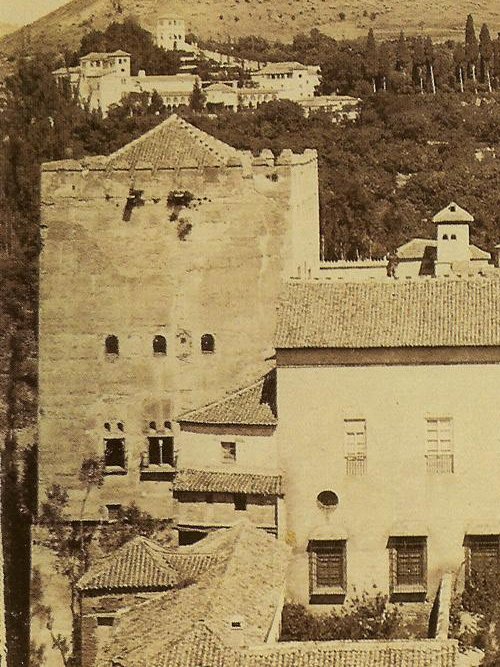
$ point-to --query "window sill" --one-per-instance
(157, 467)
(410, 588)
(115, 470)
(328, 596)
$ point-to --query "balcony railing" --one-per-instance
(355, 465)
(440, 463)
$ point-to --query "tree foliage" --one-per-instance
(364, 617)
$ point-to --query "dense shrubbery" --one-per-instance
(364, 617)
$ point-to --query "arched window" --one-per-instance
(160, 345)
(445, 237)
(207, 343)
(112, 345)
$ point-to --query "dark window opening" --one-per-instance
(328, 499)
(445, 237)
(161, 451)
(207, 343)
(114, 512)
(240, 502)
(327, 565)
(105, 621)
(228, 451)
(409, 566)
(483, 556)
(135, 198)
(160, 345)
(453, 237)
(112, 346)
(114, 453)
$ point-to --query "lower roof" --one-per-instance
(206, 481)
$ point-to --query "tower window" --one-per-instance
(207, 343)
(228, 452)
(111, 345)
(240, 502)
(159, 345)
(445, 237)
(453, 237)
(114, 453)
(161, 451)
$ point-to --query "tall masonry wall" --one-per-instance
(101, 275)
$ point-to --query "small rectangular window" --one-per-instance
(355, 446)
(408, 564)
(228, 452)
(105, 621)
(439, 445)
(327, 566)
(161, 450)
(114, 512)
(483, 555)
(240, 502)
(114, 454)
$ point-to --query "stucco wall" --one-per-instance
(101, 275)
(255, 451)
(396, 492)
(192, 510)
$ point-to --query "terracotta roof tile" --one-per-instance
(207, 481)
(365, 653)
(453, 213)
(174, 144)
(188, 627)
(254, 405)
(390, 313)
(142, 564)
(138, 564)
(417, 248)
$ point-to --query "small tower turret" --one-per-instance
(453, 249)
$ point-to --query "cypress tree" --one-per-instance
(384, 64)
(371, 59)
(459, 60)
(471, 49)
(419, 62)
(402, 55)
(429, 60)
(486, 54)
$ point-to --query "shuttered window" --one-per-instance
(483, 554)
(408, 563)
(327, 559)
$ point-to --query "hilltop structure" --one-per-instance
(186, 339)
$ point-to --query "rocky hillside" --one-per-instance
(269, 18)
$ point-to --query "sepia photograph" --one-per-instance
(250, 333)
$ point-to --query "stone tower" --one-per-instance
(159, 274)
(453, 250)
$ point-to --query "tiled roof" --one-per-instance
(188, 627)
(280, 68)
(390, 313)
(174, 144)
(205, 481)
(365, 653)
(418, 248)
(138, 564)
(142, 564)
(453, 213)
(254, 405)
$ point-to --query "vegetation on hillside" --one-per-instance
(403, 65)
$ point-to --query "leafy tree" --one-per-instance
(486, 54)
(197, 98)
(459, 60)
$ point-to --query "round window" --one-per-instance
(327, 499)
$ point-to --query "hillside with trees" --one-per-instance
(223, 19)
